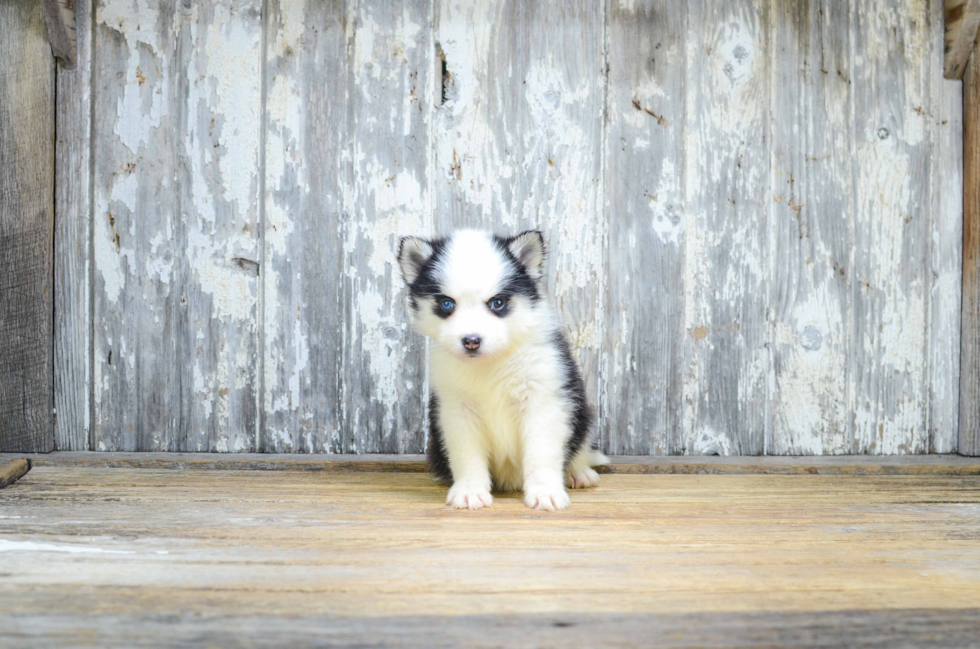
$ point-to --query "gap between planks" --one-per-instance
(784, 465)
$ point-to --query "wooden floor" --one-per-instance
(161, 557)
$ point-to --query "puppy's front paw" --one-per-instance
(546, 497)
(464, 496)
(582, 478)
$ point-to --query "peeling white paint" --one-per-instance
(141, 107)
(232, 53)
(667, 210)
(711, 442)
(286, 169)
(468, 153)
(517, 143)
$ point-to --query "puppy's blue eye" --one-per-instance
(496, 304)
(447, 306)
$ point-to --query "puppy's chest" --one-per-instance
(501, 412)
(500, 399)
(500, 405)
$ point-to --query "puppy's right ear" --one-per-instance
(413, 252)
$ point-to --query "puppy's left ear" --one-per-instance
(413, 252)
(528, 248)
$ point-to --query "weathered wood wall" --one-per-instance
(754, 212)
(969, 442)
(27, 154)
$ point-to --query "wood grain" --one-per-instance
(888, 272)
(945, 124)
(26, 229)
(910, 627)
(390, 99)
(726, 202)
(60, 18)
(812, 230)
(962, 18)
(969, 429)
(73, 244)
(358, 553)
(219, 64)
(306, 130)
(643, 331)
(138, 300)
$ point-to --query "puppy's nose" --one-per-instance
(471, 343)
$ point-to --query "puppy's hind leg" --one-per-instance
(580, 474)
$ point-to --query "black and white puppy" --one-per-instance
(508, 408)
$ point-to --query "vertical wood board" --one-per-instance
(137, 300)
(888, 268)
(726, 176)
(812, 231)
(73, 244)
(945, 123)
(390, 99)
(306, 126)
(969, 421)
(643, 329)
(26, 230)
(218, 118)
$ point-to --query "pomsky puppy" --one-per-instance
(508, 408)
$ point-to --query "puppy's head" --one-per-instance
(475, 294)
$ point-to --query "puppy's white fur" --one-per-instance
(506, 413)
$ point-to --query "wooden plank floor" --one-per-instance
(162, 557)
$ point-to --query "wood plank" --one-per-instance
(26, 229)
(962, 19)
(73, 245)
(390, 99)
(643, 334)
(629, 464)
(60, 18)
(12, 471)
(911, 627)
(470, 137)
(307, 126)
(138, 302)
(218, 129)
(889, 272)
(812, 229)
(969, 423)
(364, 556)
(726, 191)
(945, 126)
(518, 143)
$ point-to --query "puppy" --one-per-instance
(508, 408)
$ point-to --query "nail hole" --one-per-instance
(444, 75)
(247, 265)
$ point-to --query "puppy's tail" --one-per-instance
(596, 457)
